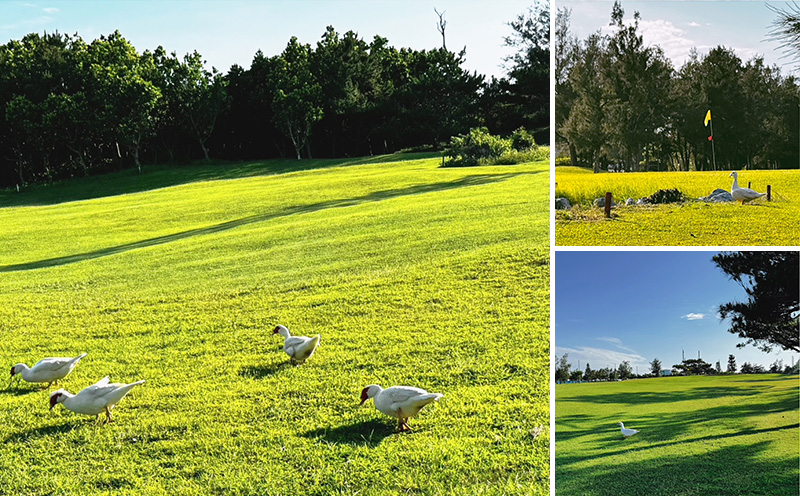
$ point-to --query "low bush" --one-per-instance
(479, 147)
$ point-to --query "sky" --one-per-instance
(677, 26)
(230, 32)
(612, 306)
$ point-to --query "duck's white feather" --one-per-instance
(299, 348)
(48, 369)
(742, 194)
(96, 398)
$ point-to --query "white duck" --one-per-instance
(627, 432)
(742, 194)
(94, 399)
(47, 370)
(299, 348)
(401, 402)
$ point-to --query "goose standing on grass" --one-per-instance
(401, 402)
(742, 194)
(48, 370)
(299, 348)
(627, 432)
(95, 399)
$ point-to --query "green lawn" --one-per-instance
(725, 435)
(760, 223)
(413, 274)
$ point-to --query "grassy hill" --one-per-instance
(759, 223)
(413, 274)
(724, 435)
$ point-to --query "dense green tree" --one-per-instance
(731, 364)
(620, 101)
(655, 367)
(695, 366)
(625, 370)
(297, 95)
(562, 368)
(771, 315)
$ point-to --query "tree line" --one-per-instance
(68, 107)
(694, 366)
(621, 102)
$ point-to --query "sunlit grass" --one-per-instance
(725, 435)
(761, 223)
(412, 274)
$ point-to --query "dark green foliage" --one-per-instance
(771, 314)
(695, 366)
(619, 101)
(479, 147)
(666, 196)
(71, 108)
(522, 140)
(655, 367)
(731, 364)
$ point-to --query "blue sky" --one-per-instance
(678, 26)
(228, 32)
(613, 306)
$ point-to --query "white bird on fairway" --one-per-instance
(401, 402)
(742, 194)
(299, 348)
(47, 370)
(627, 432)
(93, 400)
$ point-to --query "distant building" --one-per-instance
(666, 372)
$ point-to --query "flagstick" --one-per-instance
(713, 153)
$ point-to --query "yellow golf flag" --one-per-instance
(708, 118)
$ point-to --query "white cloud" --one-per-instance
(616, 342)
(694, 316)
(600, 358)
(51, 10)
(694, 24)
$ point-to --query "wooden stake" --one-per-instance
(608, 205)
(748, 184)
(769, 192)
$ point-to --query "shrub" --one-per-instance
(522, 140)
(477, 147)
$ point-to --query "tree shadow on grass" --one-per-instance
(375, 196)
(164, 176)
(668, 426)
(369, 433)
(650, 397)
(727, 471)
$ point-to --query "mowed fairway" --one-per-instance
(412, 274)
(725, 435)
(760, 223)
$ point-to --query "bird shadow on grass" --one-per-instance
(262, 371)
(19, 391)
(39, 432)
(369, 433)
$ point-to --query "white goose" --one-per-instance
(94, 399)
(299, 348)
(401, 402)
(47, 370)
(742, 194)
(627, 432)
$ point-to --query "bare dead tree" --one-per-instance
(441, 25)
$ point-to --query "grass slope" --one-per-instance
(725, 435)
(413, 274)
(760, 223)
